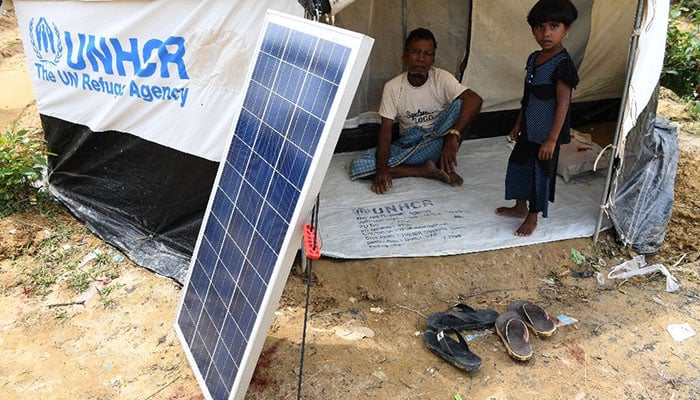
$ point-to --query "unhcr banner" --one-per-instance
(137, 99)
(168, 71)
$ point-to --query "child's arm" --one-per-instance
(515, 131)
(563, 98)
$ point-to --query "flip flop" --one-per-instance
(462, 317)
(456, 352)
(535, 317)
(514, 334)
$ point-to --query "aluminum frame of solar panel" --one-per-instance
(297, 95)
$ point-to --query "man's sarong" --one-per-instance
(415, 147)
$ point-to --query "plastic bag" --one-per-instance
(637, 266)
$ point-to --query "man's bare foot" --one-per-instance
(433, 172)
(455, 180)
(528, 225)
(517, 210)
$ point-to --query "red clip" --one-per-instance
(312, 246)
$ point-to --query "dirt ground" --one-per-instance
(108, 333)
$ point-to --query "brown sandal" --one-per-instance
(515, 336)
(535, 317)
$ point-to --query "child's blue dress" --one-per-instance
(527, 177)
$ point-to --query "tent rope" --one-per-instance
(314, 224)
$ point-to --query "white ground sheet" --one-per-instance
(420, 217)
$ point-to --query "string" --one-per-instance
(314, 223)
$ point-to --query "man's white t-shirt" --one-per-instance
(410, 105)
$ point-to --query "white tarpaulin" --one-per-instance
(420, 217)
(647, 63)
(145, 67)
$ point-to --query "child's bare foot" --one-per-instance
(433, 172)
(528, 225)
(518, 210)
(455, 180)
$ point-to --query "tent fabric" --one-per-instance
(602, 71)
(640, 98)
(500, 40)
(502, 24)
(382, 19)
(648, 61)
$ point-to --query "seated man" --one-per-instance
(434, 111)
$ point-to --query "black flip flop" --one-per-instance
(515, 336)
(535, 317)
(456, 352)
(462, 317)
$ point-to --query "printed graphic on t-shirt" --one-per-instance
(420, 117)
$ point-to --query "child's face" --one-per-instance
(549, 35)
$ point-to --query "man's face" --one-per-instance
(419, 56)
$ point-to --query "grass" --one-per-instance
(107, 295)
(61, 257)
(41, 279)
(79, 280)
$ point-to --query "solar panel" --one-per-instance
(297, 96)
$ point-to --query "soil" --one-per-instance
(112, 336)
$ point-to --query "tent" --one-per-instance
(135, 99)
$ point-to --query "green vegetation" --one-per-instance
(681, 71)
(106, 295)
(95, 266)
(22, 161)
(60, 257)
(79, 280)
(41, 279)
(42, 275)
(577, 258)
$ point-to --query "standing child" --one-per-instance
(543, 121)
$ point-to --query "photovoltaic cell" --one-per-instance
(299, 90)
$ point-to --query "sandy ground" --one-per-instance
(365, 317)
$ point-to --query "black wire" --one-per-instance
(314, 222)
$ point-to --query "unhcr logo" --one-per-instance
(393, 208)
(109, 57)
(361, 211)
(46, 41)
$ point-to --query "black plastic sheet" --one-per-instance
(143, 198)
